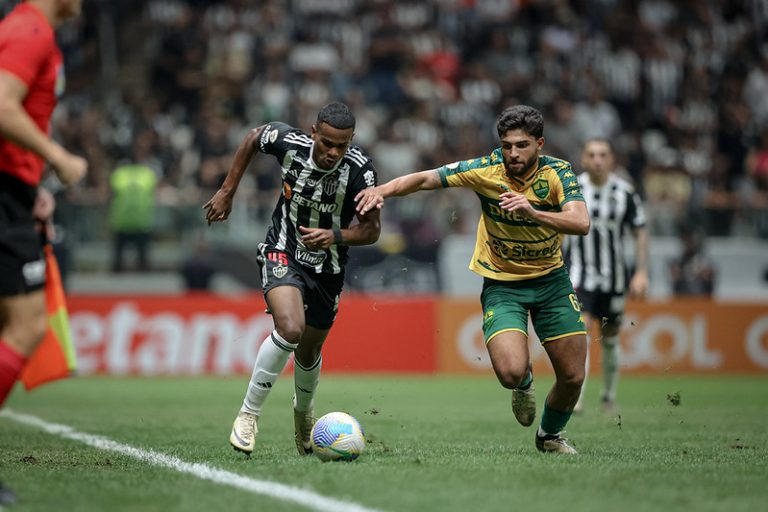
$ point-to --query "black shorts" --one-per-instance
(22, 265)
(602, 305)
(321, 292)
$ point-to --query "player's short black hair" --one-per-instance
(601, 140)
(337, 115)
(521, 117)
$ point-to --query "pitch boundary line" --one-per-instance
(304, 497)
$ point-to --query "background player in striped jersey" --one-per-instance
(303, 257)
(528, 200)
(597, 262)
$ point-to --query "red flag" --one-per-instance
(55, 357)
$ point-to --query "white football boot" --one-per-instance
(303, 421)
(554, 443)
(244, 432)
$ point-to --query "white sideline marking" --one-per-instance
(280, 491)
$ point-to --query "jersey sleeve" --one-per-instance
(26, 52)
(368, 178)
(635, 216)
(273, 139)
(460, 174)
(568, 188)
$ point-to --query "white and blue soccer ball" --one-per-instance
(337, 436)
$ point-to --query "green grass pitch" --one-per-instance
(435, 443)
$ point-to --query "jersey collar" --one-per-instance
(525, 182)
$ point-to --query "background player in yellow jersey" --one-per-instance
(528, 202)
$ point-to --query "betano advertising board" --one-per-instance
(209, 334)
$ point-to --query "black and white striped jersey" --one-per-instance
(313, 197)
(596, 261)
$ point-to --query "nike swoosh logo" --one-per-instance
(239, 439)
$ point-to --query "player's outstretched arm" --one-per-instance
(220, 205)
(373, 198)
(17, 127)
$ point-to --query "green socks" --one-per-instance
(552, 421)
(527, 381)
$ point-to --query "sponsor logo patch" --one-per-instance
(265, 137)
(310, 258)
(370, 179)
(316, 205)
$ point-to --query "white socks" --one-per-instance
(270, 361)
(610, 367)
(305, 382)
(610, 363)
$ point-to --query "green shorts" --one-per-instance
(550, 299)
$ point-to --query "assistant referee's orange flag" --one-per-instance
(55, 357)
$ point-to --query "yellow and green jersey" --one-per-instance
(509, 246)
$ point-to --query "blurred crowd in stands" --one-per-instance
(680, 87)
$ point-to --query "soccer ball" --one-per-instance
(337, 436)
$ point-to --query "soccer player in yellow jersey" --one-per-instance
(529, 201)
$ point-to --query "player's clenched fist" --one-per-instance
(516, 203)
(69, 168)
(316, 238)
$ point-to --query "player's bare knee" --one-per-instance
(39, 329)
(290, 329)
(307, 358)
(25, 337)
(572, 380)
(511, 378)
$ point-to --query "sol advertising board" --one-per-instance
(206, 334)
(679, 336)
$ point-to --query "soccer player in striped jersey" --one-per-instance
(597, 262)
(303, 257)
(528, 202)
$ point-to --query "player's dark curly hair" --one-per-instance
(521, 117)
(337, 115)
